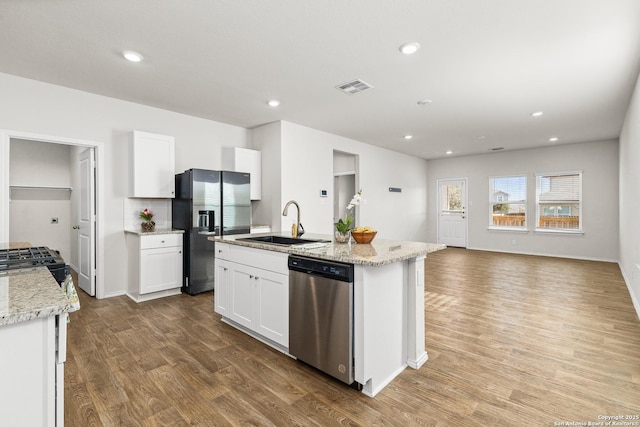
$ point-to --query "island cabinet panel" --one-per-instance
(380, 325)
(254, 297)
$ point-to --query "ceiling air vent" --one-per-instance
(353, 87)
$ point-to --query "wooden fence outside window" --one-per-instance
(552, 222)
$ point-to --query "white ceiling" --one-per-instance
(485, 64)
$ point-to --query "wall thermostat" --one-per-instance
(323, 193)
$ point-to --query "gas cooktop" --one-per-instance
(40, 256)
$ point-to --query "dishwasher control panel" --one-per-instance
(334, 270)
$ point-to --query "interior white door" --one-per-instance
(87, 223)
(452, 212)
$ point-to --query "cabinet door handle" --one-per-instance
(251, 276)
(256, 277)
(224, 268)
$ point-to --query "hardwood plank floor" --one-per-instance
(512, 340)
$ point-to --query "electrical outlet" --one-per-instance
(54, 220)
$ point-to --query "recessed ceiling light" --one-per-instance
(553, 139)
(407, 137)
(449, 152)
(537, 113)
(425, 102)
(409, 48)
(273, 103)
(132, 56)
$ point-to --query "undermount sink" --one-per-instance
(280, 240)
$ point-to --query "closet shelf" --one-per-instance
(39, 187)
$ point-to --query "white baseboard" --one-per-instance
(545, 255)
(114, 294)
(634, 298)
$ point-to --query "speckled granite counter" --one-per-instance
(377, 253)
(28, 294)
(156, 231)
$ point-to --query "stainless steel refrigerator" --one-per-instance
(208, 203)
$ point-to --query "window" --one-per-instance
(451, 198)
(559, 201)
(508, 202)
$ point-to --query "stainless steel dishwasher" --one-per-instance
(321, 315)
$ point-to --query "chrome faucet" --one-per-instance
(299, 228)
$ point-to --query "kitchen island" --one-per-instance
(388, 297)
(33, 339)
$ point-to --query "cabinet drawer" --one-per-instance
(160, 241)
(222, 251)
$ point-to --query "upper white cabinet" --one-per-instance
(248, 161)
(152, 165)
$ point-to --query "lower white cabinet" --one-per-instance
(256, 299)
(155, 265)
(32, 372)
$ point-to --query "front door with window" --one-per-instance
(452, 212)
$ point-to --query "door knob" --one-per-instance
(76, 227)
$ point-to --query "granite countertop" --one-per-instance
(377, 253)
(30, 293)
(156, 231)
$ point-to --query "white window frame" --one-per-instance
(492, 226)
(578, 230)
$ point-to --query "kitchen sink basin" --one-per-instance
(280, 240)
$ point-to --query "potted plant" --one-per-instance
(147, 224)
(344, 227)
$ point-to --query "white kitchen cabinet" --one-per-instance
(221, 287)
(152, 165)
(255, 298)
(248, 161)
(155, 265)
(32, 371)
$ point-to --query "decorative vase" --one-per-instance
(148, 226)
(343, 237)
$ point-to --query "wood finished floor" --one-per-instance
(512, 340)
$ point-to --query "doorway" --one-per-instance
(452, 212)
(344, 182)
(6, 139)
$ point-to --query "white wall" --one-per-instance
(40, 164)
(599, 164)
(35, 107)
(307, 167)
(267, 211)
(630, 198)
